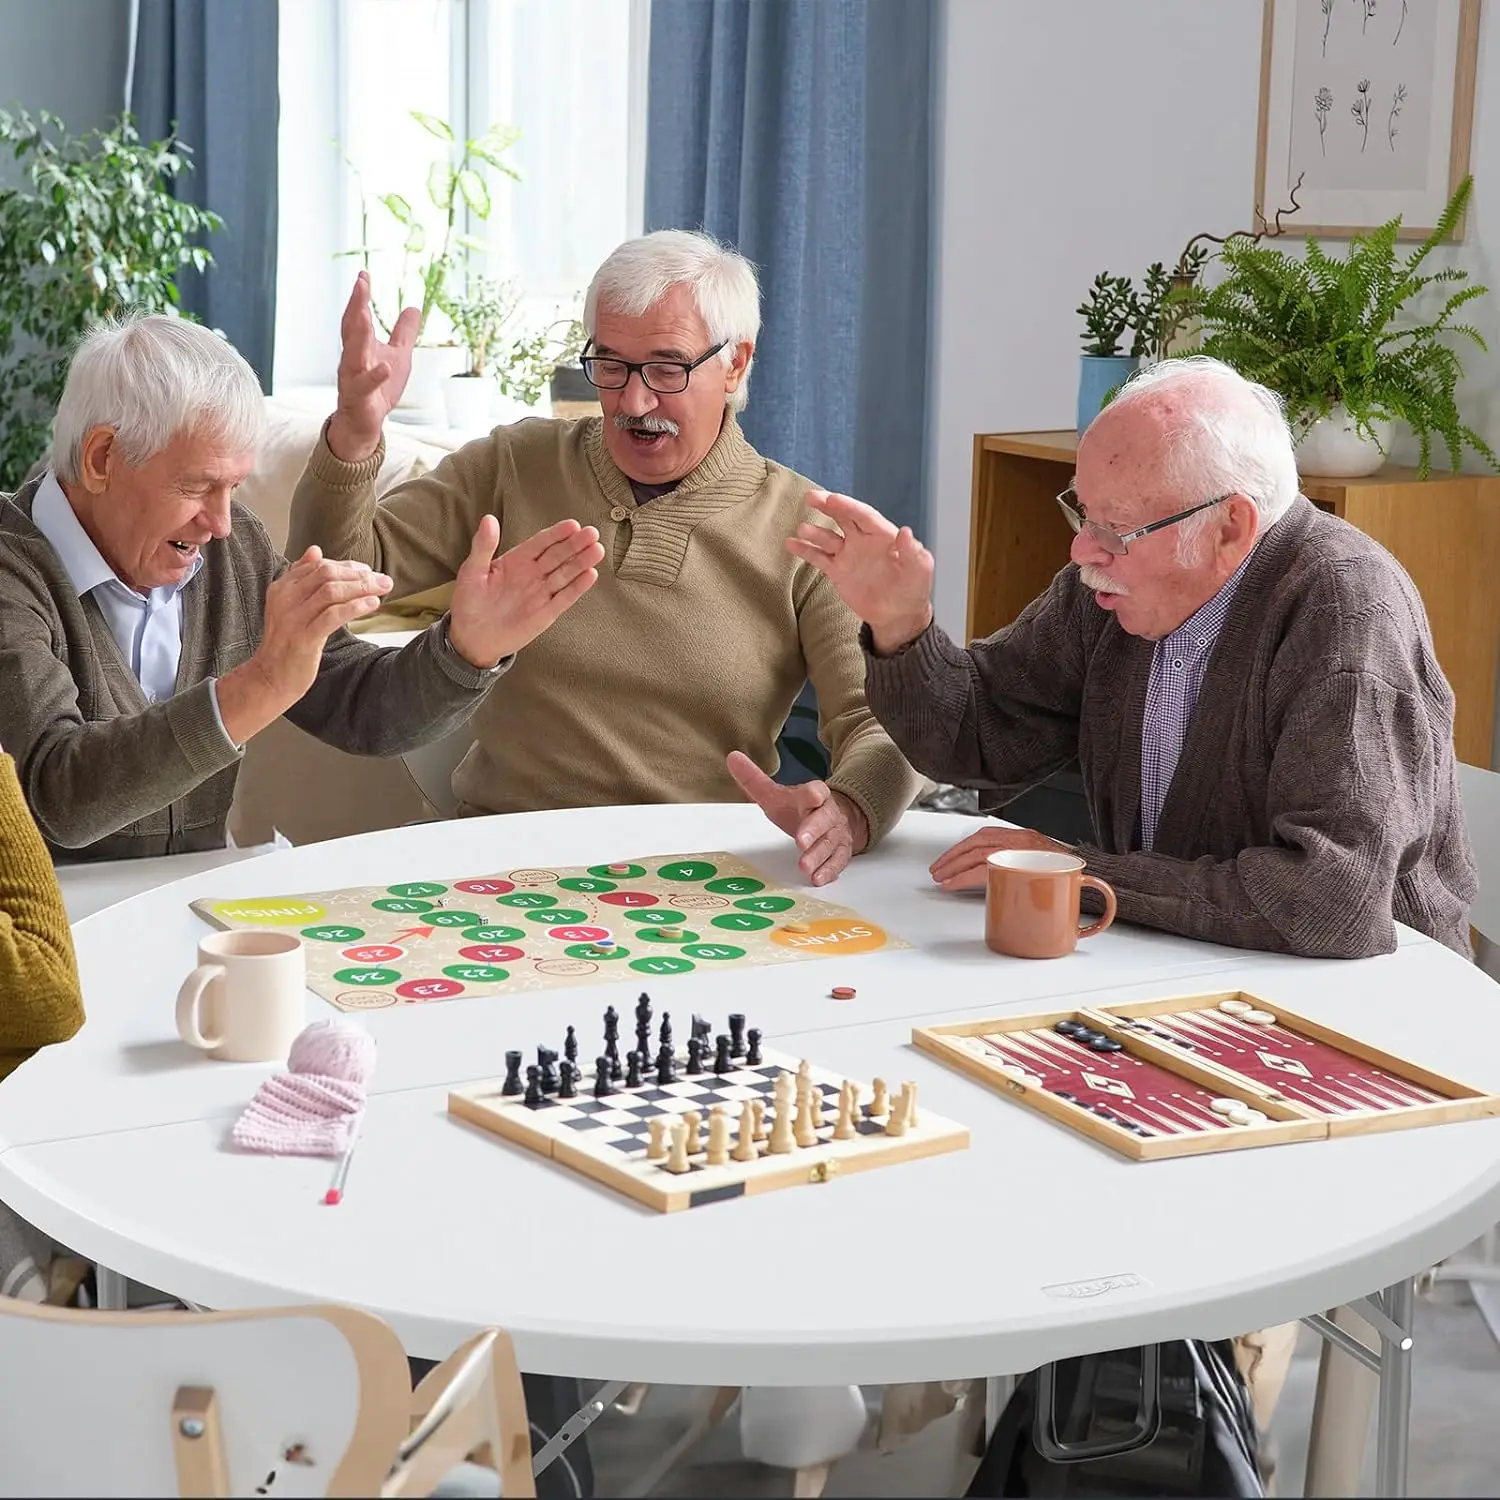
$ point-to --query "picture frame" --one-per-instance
(1366, 113)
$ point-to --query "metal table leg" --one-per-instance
(1394, 1409)
(110, 1288)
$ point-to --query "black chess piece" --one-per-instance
(722, 1063)
(665, 1036)
(567, 1079)
(570, 1048)
(534, 1085)
(547, 1061)
(703, 1029)
(602, 1086)
(695, 1056)
(736, 1036)
(632, 1070)
(612, 1053)
(752, 1055)
(611, 1025)
(512, 1084)
(666, 1071)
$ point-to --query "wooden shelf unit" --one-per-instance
(1444, 530)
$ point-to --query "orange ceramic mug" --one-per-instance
(1031, 903)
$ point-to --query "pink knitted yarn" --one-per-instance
(314, 1109)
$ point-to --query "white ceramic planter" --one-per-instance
(470, 402)
(431, 365)
(1332, 448)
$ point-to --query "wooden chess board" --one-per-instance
(1199, 1073)
(606, 1139)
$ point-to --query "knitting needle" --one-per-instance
(335, 1193)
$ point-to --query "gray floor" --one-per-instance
(1455, 1440)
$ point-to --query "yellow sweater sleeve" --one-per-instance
(40, 999)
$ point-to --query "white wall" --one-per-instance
(1077, 136)
(67, 56)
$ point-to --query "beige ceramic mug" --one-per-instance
(1032, 899)
(247, 999)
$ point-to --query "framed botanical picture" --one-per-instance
(1365, 112)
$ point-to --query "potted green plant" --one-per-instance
(91, 229)
(1106, 312)
(1340, 342)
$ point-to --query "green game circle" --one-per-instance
(527, 899)
(663, 963)
(493, 934)
(646, 935)
(584, 886)
(334, 934)
(587, 950)
(386, 904)
(418, 888)
(559, 916)
(741, 921)
(713, 951)
(655, 916)
(632, 872)
(735, 885)
(477, 973)
(455, 919)
(688, 869)
(367, 976)
(766, 903)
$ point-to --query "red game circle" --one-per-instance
(429, 989)
(373, 953)
(629, 898)
(578, 934)
(484, 887)
(491, 953)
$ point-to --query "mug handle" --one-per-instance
(1107, 891)
(188, 998)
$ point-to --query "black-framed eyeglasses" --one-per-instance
(664, 376)
(1118, 542)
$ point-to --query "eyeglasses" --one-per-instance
(664, 376)
(1117, 542)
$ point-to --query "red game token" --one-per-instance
(843, 992)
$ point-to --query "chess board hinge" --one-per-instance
(823, 1171)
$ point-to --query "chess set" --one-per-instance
(720, 1119)
(1199, 1073)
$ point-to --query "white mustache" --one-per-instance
(649, 423)
(1100, 581)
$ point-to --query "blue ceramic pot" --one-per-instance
(1098, 375)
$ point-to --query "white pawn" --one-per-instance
(910, 1090)
(806, 1135)
(758, 1115)
(718, 1136)
(880, 1104)
(678, 1160)
(815, 1100)
(656, 1141)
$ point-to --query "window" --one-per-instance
(568, 74)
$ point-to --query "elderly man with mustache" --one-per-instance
(673, 681)
(1247, 683)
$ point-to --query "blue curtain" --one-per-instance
(205, 70)
(799, 131)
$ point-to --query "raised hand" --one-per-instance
(883, 573)
(828, 829)
(962, 867)
(503, 603)
(372, 374)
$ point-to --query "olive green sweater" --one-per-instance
(696, 640)
(40, 1001)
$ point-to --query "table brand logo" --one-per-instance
(1069, 1290)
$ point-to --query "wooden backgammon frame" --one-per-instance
(1288, 1119)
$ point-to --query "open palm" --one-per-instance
(372, 372)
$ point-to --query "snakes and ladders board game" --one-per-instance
(1199, 1073)
(416, 941)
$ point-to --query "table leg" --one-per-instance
(578, 1424)
(110, 1288)
(1394, 1421)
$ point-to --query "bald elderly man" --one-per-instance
(1247, 682)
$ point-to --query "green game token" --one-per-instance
(385, 904)
(527, 899)
(455, 919)
(735, 885)
(493, 934)
(367, 977)
(588, 950)
(625, 872)
(665, 963)
(476, 973)
(654, 916)
(646, 935)
(334, 934)
(418, 888)
(713, 950)
(558, 916)
(584, 886)
(767, 903)
(688, 869)
(741, 921)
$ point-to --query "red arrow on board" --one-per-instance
(423, 932)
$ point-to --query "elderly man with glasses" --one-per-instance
(1247, 683)
(673, 681)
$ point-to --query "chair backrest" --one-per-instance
(1481, 796)
(286, 1401)
(432, 766)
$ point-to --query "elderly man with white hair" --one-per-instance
(673, 679)
(148, 627)
(1247, 682)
